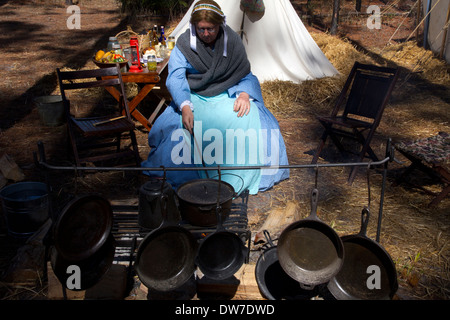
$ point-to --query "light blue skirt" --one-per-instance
(220, 138)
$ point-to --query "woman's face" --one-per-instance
(207, 31)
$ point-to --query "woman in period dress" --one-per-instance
(217, 116)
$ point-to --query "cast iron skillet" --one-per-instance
(166, 256)
(83, 227)
(272, 281)
(92, 268)
(309, 250)
(360, 253)
(221, 253)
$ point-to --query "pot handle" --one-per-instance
(365, 215)
(236, 194)
(268, 238)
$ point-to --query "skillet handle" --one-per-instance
(314, 201)
(365, 215)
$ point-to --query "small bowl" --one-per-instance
(109, 64)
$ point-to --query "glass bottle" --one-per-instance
(162, 37)
(154, 37)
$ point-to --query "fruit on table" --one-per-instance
(99, 55)
(109, 57)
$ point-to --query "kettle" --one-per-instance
(149, 212)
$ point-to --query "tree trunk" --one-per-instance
(358, 5)
(335, 18)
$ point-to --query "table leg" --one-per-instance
(132, 105)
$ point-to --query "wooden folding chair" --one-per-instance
(358, 110)
(95, 139)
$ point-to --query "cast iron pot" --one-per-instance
(198, 201)
(309, 250)
(361, 252)
(92, 268)
(166, 256)
(83, 227)
(221, 253)
(273, 282)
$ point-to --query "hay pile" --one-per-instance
(418, 60)
(416, 236)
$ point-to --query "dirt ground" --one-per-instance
(35, 40)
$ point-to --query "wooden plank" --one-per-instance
(278, 219)
(242, 286)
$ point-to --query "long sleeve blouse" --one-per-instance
(180, 91)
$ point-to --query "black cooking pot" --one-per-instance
(222, 253)
(363, 258)
(149, 210)
(166, 256)
(309, 250)
(273, 282)
(198, 201)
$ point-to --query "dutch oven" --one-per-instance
(166, 256)
(83, 227)
(365, 260)
(198, 201)
(309, 250)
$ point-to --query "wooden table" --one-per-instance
(150, 80)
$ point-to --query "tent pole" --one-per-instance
(419, 6)
(444, 38)
(427, 24)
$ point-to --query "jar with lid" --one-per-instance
(111, 42)
(117, 49)
(171, 43)
(151, 63)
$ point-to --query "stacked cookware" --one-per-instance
(310, 259)
(169, 254)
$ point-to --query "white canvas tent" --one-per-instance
(436, 28)
(278, 45)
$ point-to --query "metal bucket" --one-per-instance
(51, 110)
(25, 206)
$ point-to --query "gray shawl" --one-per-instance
(216, 72)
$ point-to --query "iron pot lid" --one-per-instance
(83, 227)
(205, 191)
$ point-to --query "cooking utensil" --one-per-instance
(166, 256)
(273, 282)
(356, 279)
(198, 201)
(221, 253)
(309, 250)
(149, 209)
(83, 227)
(92, 268)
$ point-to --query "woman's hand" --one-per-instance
(242, 104)
(187, 117)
